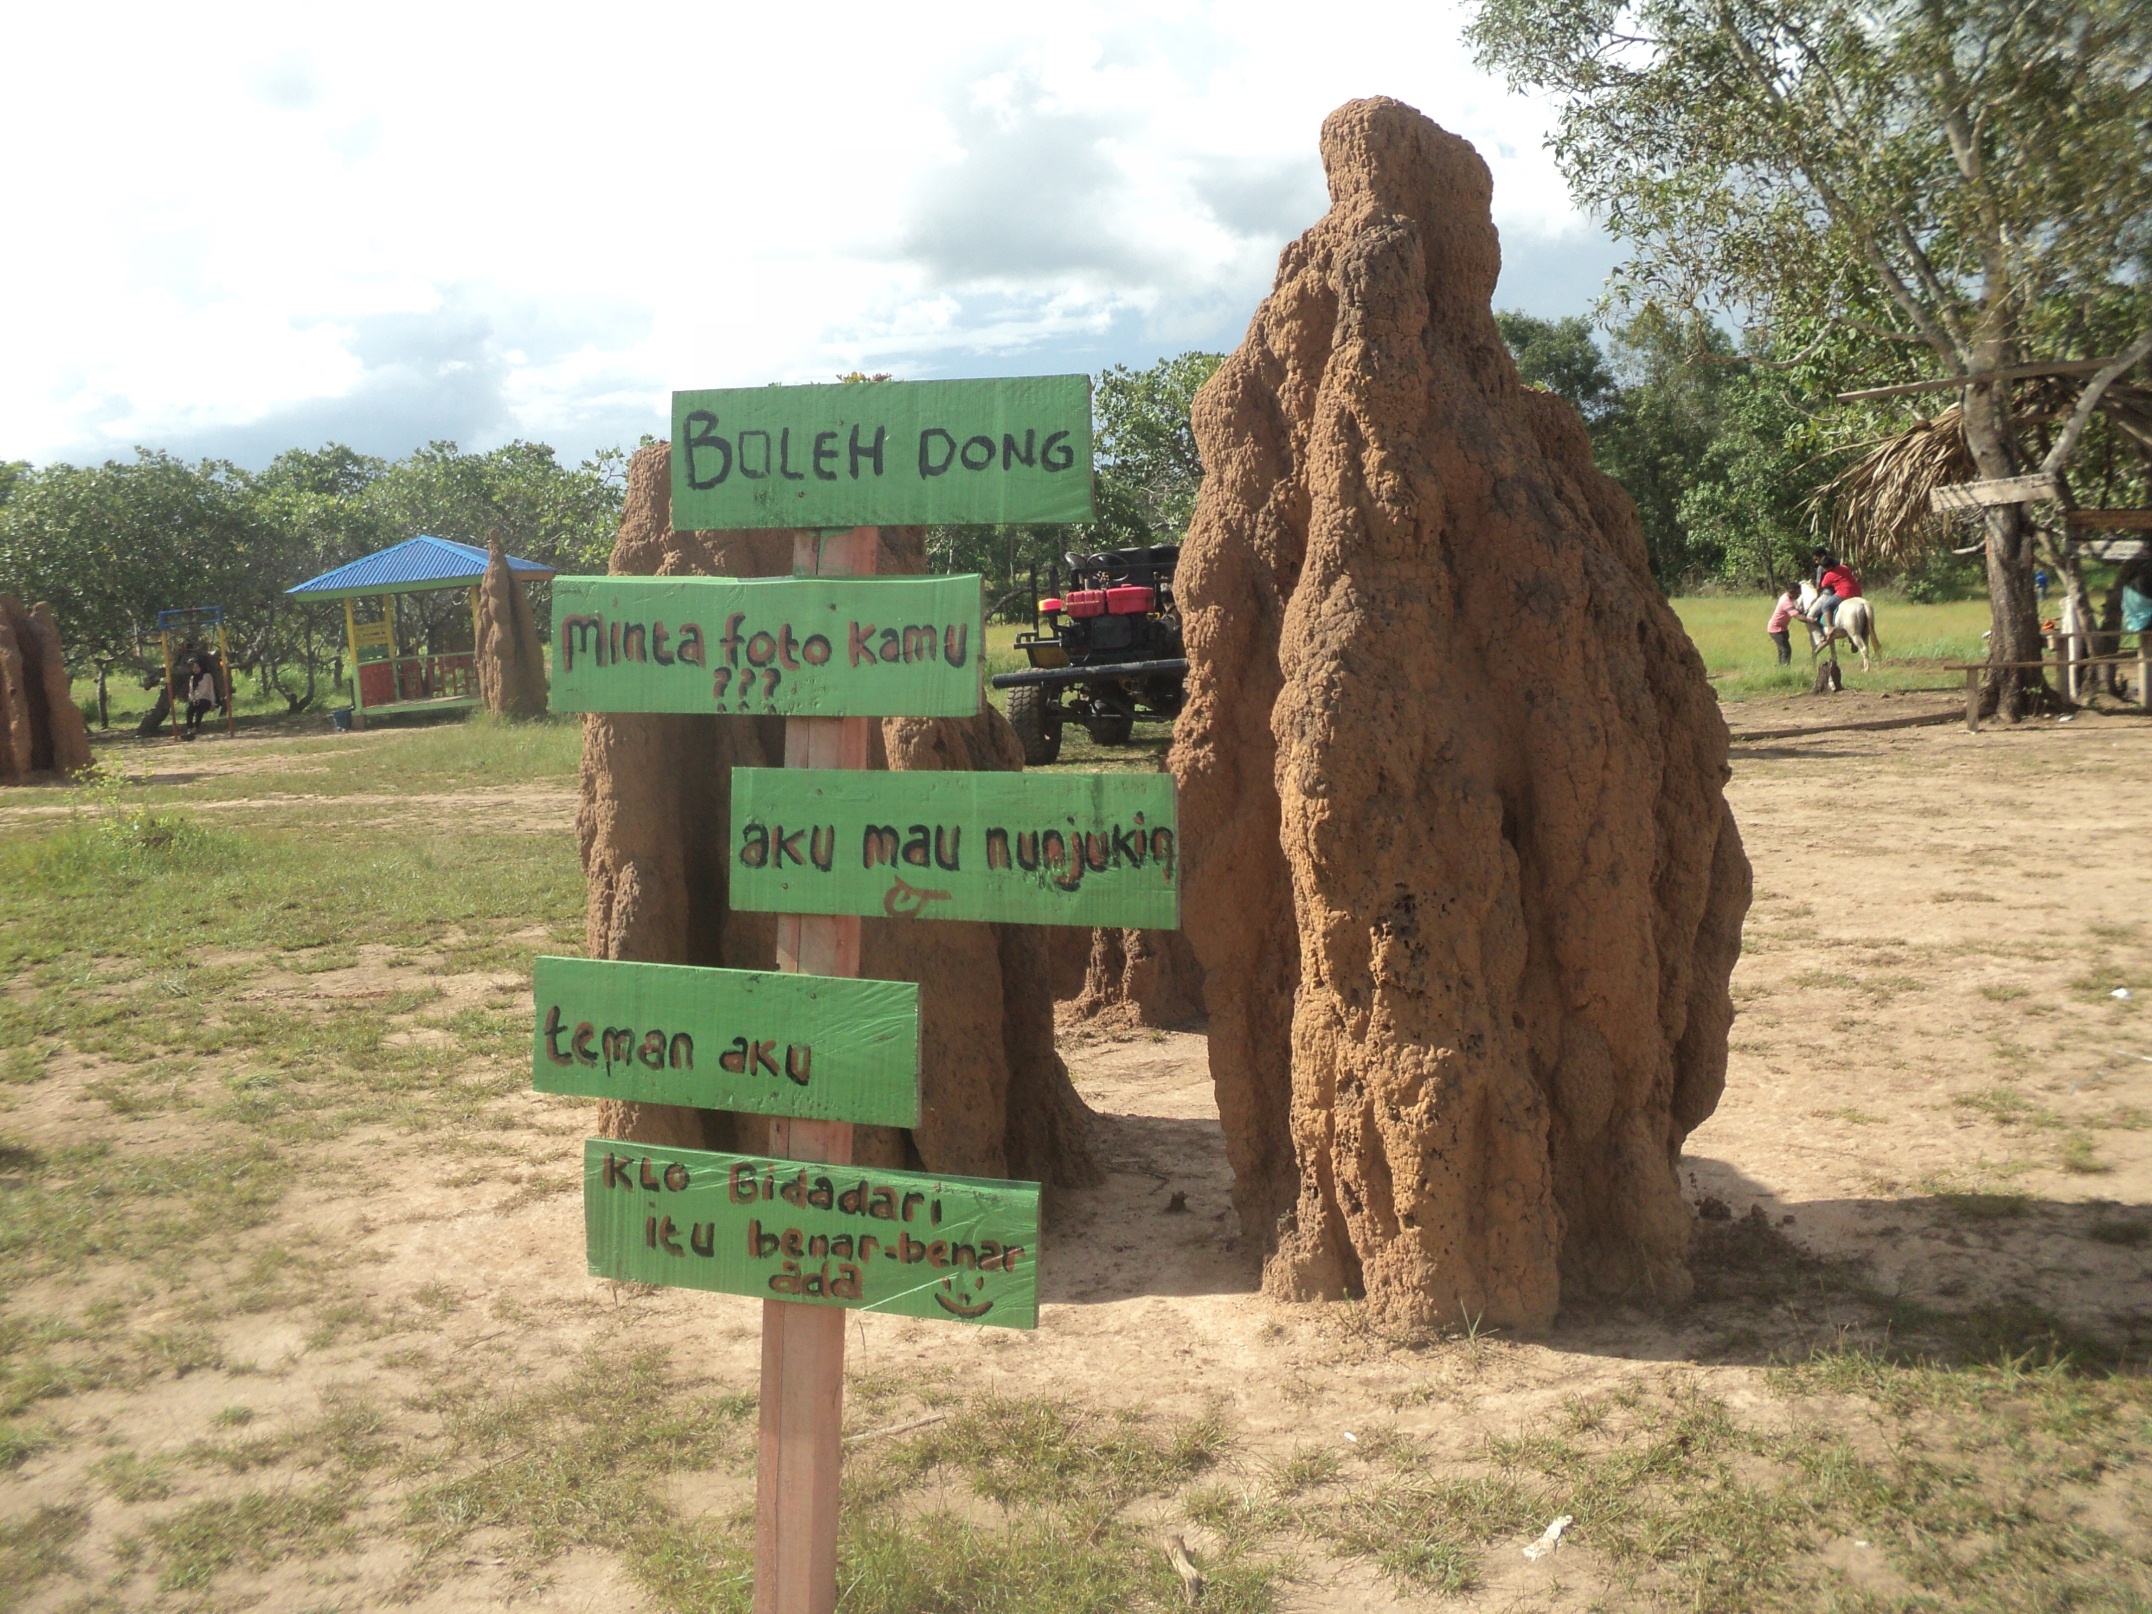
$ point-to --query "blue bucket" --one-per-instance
(340, 719)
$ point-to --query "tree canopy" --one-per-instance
(1145, 475)
(1881, 192)
(111, 545)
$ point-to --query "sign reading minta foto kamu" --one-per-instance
(1023, 848)
(958, 1248)
(884, 453)
(792, 646)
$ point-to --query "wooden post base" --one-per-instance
(801, 1454)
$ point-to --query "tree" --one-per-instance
(1744, 504)
(315, 504)
(1145, 475)
(1653, 409)
(1144, 450)
(112, 545)
(1562, 356)
(1927, 187)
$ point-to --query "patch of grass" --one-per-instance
(33, 1548)
(2097, 985)
(2080, 1156)
(1430, 1532)
(1305, 1468)
(1036, 1561)
(92, 1201)
(576, 1464)
(251, 1531)
(1827, 981)
(1029, 1452)
(2128, 1235)
(134, 1478)
(2006, 1106)
(1979, 1207)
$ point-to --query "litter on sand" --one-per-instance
(1550, 1538)
(2120, 994)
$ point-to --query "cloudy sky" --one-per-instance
(231, 231)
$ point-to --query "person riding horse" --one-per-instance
(1834, 582)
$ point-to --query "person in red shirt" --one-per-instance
(1834, 582)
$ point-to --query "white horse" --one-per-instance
(1852, 620)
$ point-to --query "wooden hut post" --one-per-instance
(351, 648)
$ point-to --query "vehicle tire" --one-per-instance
(1110, 728)
(1039, 735)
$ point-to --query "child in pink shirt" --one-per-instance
(1785, 611)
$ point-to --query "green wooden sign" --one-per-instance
(892, 453)
(957, 1248)
(1028, 848)
(766, 1042)
(805, 646)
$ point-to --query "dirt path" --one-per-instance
(1932, 1078)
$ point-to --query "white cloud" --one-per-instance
(238, 229)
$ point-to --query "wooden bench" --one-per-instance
(2064, 668)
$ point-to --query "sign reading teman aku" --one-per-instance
(820, 843)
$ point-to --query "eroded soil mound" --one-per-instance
(1141, 977)
(41, 727)
(511, 667)
(654, 823)
(1459, 866)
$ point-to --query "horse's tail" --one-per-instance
(1875, 639)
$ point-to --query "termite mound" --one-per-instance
(1458, 863)
(511, 666)
(41, 728)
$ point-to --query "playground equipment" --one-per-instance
(385, 680)
(190, 623)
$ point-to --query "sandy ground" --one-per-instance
(1938, 918)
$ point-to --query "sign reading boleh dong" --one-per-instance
(886, 453)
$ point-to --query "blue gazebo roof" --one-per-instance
(413, 567)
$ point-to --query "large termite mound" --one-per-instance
(511, 666)
(1458, 862)
(654, 825)
(41, 727)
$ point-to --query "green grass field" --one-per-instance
(1916, 640)
(1729, 634)
(1728, 630)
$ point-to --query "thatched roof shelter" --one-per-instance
(1878, 510)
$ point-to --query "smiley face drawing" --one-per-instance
(951, 1300)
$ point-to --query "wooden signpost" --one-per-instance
(2001, 490)
(1023, 848)
(888, 647)
(962, 1248)
(754, 1040)
(821, 843)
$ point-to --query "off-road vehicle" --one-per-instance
(1105, 652)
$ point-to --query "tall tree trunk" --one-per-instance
(104, 705)
(2013, 605)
